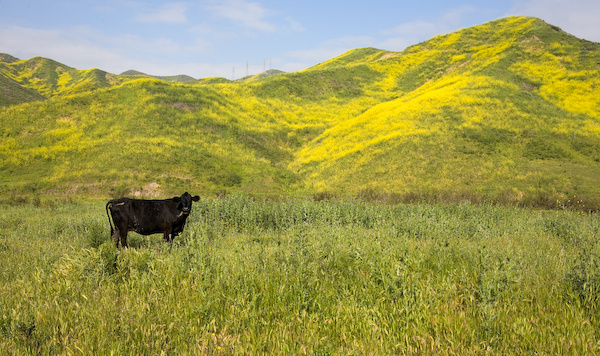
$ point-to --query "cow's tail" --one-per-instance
(112, 230)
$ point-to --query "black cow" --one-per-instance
(148, 217)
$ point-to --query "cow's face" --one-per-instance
(185, 202)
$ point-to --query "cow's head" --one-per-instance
(185, 202)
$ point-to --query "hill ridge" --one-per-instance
(180, 78)
(7, 58)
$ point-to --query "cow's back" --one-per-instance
(150, 216)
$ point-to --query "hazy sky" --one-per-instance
(232, 38)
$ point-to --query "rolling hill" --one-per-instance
(182, 78)
(50, 78)
(508, 111)
(12, 93)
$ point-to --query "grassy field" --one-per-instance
(302, 277)
(416, 240)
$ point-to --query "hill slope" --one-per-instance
(141, 132)
(50, 78)
(12, 93)
(509, 107)
(173, 78)
(509, 110)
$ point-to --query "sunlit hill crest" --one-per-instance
(508, 110)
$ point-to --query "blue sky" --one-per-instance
(232, 38)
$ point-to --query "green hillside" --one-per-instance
(50, 78)
(265, 74)
(12, 93)
(509, 111)
(141, 132)
(172, 78)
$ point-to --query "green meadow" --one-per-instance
(299, 276)
(439, 200)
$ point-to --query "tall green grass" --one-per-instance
(301, 276)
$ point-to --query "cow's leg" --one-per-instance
(115, 236)
(167, 236)
(120, 234)
(124, 239)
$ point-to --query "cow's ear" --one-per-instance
(176, 198)
(195, 198)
